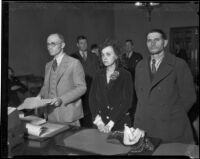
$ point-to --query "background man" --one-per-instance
(131, 58)
(90, 65)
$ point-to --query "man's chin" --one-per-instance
(155, 52)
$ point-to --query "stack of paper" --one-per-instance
(35, 130)
(44, 130)
(33, 119)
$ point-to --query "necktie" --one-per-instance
(84, 56)
(54, 65)
(153, 66)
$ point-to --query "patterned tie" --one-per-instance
(153, 68)
(54, 65)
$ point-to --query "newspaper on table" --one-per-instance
(33, 102)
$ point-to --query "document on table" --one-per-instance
(33, 102)
(44, 130)
(33, 119)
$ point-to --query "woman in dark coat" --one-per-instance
(111, 92)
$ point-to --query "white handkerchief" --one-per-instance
(131, 135)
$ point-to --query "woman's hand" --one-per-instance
(101, 127)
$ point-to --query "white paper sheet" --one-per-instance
(34, 119)
(33, 102)
(43, 130)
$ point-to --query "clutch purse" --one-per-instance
(144, 145)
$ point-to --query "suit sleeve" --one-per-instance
(93, 103)
(79, 84)
(127, 97)
(187, 94)
(42, 90)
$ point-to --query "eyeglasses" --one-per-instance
(53, 44)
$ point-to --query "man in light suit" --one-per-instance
(165, 90)
(64, 83)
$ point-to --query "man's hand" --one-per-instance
(56, 101)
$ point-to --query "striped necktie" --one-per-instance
(54, 65)
(153, 66)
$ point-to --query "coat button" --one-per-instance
(107, 117)
(108, 107)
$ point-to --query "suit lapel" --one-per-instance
(146, 73)
(62, 68)
(47, 76)
(164, 69)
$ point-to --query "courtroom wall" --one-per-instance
(31, 23)
(133, 23)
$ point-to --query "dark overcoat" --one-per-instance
(163, 102)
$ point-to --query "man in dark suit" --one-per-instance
(131, 58)
(90, 66)
(165, 90)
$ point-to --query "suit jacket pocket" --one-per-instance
(71, 112)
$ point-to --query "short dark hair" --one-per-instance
(112, 43)
(164, 36)
(129, 40)
(94, 46)
(80, 37)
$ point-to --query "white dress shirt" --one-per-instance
(158, 58)
(59, 58)
(83, 52)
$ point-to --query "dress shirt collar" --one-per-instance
(83, 52)
(129, 54)
(158, 58)
(59, 58)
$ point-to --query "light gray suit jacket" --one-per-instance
(70, 87)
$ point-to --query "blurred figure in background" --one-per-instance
(90, 65)
(180, 52)
(95, 49)
(131, 58)
(15, 89)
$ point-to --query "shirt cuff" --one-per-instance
(110, 124)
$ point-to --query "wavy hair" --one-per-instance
(117, 50)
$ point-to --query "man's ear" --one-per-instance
(165, 43)
(77, 45)
(63, 45)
